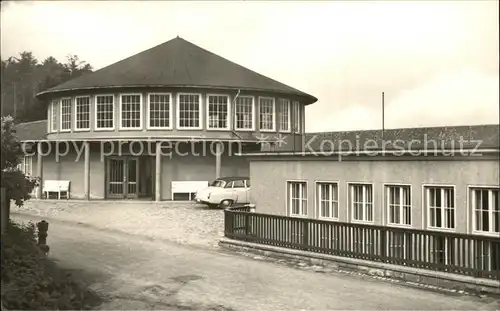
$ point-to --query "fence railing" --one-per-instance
(477, 256)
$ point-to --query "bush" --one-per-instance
(30, 281)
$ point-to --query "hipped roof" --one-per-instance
(178, 63)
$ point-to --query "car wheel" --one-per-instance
(225, 204)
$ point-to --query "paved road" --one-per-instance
(140, 273)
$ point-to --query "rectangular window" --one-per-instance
(328, 199)
(27, 165)
(296, 117)
(284, 106)
(159, 111)
(440, 203)
(82, 113)
(218, 112)
(486, 209)
(105, 112)
(66, 114)
(244, 113)
(297, 198)
(361, 197)
(131, 108)
(266, 114)
(398, 200)
(53, 116)
(188, 111)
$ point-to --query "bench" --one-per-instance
(57, 186)
(187, 187)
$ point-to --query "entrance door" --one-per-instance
(122, 177)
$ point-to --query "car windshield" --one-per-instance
(218, 183)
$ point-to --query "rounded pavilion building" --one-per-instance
(161, 123)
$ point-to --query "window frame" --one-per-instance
(288, 206)
(386, 202)
(289, 119)
(178, 111)
(252, 115)
(350, 203)
(98, 129)
(471, 208)
(53, 115)
(296, 106)
(75, 128)
(207, 112)
(274, 114)
(426, 214)
(61, 115)
(120, 110)
(148, 112)
(317, 203)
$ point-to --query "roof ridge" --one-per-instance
(30, 122)
(411, 128)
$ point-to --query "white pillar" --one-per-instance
(218, 155)
(86, 170)
(158, 173)
(39, 169)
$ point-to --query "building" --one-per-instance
(159, 124)
(443, 178)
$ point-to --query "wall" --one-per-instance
(269, 180)
(175, 168)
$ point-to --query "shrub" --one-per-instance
(30, 281)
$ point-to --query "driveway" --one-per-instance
(185, 223)
(137, 273)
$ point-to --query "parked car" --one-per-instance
(224, 192)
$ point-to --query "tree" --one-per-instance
(17, 185)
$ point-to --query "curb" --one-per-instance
(421, 278)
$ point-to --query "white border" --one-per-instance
(289, 130)
(61, 130)
(148, 112)
(228, 116)
(351, 214)
(75, 128)
(120, 127)
(274, 114)
(95, 113)
(253, 114)
(177, 112)
(385, 206)
(288, 208)
(316, 203)
(49, 120)
(471, 229)
(425, 212)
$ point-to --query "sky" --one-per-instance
(436, 62)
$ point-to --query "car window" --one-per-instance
(229, 185)
(239, 184)
(218, 183)
(248, 182)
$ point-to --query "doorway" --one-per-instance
(122, 177)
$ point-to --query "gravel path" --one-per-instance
(184, 223)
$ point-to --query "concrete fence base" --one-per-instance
(412, 276)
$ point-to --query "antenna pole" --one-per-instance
(383, 119)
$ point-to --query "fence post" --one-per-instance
(247, 226)
(305, 234)
(383, 244)
(43, 227)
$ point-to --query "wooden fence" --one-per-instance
(473, 255)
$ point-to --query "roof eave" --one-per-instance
(311, 99)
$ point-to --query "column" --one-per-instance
(39, 169)
(86, 170)
(158, 172)
(218, 155)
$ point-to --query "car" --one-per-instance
(225, 192)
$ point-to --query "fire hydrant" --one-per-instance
(43, 227)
